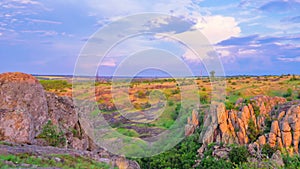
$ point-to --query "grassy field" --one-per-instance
(142, 98)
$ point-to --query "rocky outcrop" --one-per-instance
(25, 108)
(192, 124)
(241, 125)
(262, 119)
(285, 128)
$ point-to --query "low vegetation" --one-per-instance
(53, 135)
(56, 85)
(53, 161)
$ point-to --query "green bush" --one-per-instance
(182, 156)
(291, 162)
(175, 114)
(170, 103)
(176, 91)
(229, 105)
(204, 99)
(268, 124)
(213, 163)
(288, 93)
(55, 84)
(238, 154)
(128, 132)
(252, 131)
(52, 135)
(268, 150)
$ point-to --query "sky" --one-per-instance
(247, 37)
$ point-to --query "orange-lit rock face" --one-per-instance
(17, 77)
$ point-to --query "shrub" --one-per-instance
(229, 105)
(253, 132)
(293, 78)
(128, 132)
(51, 134)
(288, 93)
(291, 162)
(238, 154)
(55, 84)
(212, 163)
(141, 94)
(176, 91)
(204, 98)
(268, 124)
(182, 155)
(175, 114)
(268, 150)
(170, 103)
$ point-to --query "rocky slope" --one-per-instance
(255, 122)
(25, 108)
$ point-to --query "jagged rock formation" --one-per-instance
(285, 128)
(192, 124)
(25, 108)
(236, 126)
(261, 120)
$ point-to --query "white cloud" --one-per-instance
(109, 63)
(215, 29)
(44, 21)
(247, 52)
(224, 53)
(295, 59)
(218, 28)
(0, 34)
(41, 32)
(27, 2)
(191, 56)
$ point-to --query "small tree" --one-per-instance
(238, 154)
(212, 74)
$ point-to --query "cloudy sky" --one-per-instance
(250, 37)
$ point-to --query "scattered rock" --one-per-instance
(277, 159)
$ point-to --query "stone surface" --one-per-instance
(192, 124)
(23, 107)
(277, 159)
(232, 125)
(115, 161)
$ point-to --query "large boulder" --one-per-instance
(23, 107)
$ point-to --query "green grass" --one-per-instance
(55, 84)
(128, 132)
(66, 162)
